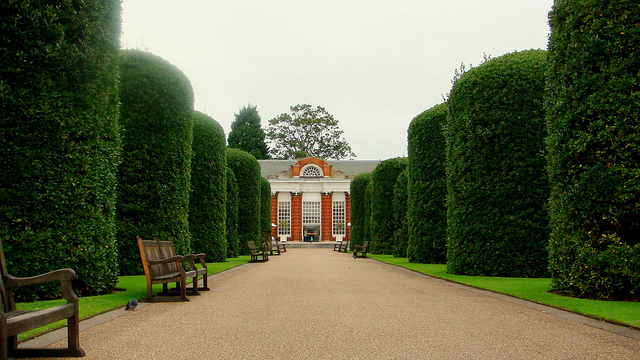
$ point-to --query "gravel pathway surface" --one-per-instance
(320, 304)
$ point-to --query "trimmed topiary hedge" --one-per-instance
(232, 214)
(400, 203)
(593, 120)
(247, 171)
(357, 190)
(497, 223)
(154, 178)
(60, 141)
(383, 220)
(367, 212)
(207, 204)
(265, 209)
(427, 209)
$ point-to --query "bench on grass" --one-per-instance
(360, 249)
(341, 246)
(257, 253)
(14, 322)
(162, 266)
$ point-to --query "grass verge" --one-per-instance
(537, 290)
(129, 287)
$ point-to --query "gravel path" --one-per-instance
(320, 304)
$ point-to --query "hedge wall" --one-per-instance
(357, 189)
(154, 178)
(497, 186)
(400, 203)
(232, 214)
(60, 141)
(593, 143)
(247, 171)
(383, 178)
(265, 209)
(367, 212)
(207, 204)
(427, 209)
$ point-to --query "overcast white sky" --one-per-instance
(374, 64)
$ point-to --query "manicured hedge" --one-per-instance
(59, 141)
(400, 203)
(154, 178)
(232, 214)
(367, 211)
(265, 209)
(496, 180)
(207, 204)
(383, 220)
(247, 171)
(593, 143)
(427, 209)
(357, 190)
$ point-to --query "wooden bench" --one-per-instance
(272, 247)
(341, 246)
(14, 322)
(162, 266)
(257, 253)
(361, 249)
(280, 245)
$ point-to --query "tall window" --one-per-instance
(311, 212)
(284, 218)
(339, 218)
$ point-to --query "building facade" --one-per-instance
(310, 197)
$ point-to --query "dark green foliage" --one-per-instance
(400, 203)
(497, 186)
(232, 214)
(59, 141)
(207, 204)
(265, 209)
(427, 209)
(247, 134)
(358, 188)
(154, 178)
(367, 212)
(247, 171)
(593, 119)
(383, 219)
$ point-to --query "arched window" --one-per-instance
(311, 171)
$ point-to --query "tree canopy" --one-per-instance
(247, 134)
(307, 131)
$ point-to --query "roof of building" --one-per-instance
(351, 168)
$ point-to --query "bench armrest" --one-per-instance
(64, 275)
(191, 258)
(176, 259)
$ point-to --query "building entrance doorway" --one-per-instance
(311, 233)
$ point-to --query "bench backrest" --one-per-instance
(7, 304)
(252, 247)
(157, 250)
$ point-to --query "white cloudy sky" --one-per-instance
(374, 64)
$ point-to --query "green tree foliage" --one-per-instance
(593, 144)
(307, 132)
(60, 141)
(207, 205)
(357, 189)
(383, 222)
(232, 214)
(247, 134)
(247, 171)
(265, 209)
(497, 224)
(427, 209)
(367, 211)
(154, 178)
(400, 203)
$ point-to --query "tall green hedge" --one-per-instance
(400, 204)
(247, 171)
(265, 209)
(497, 224)
(232, 214)
(357, 190)
(59, 141)
(154, 178)
(367, 212)
(427, 209)
(383, 221)
(207, 204)
(594, 145)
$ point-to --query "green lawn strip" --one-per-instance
(537, 290)
(129, 287)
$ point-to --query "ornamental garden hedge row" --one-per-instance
(383, 223)
(427, 208)
(156, 111)
(400, 203)
(357, 189)
(367, 212)
(232, 214)
(265, 210)
(207, 204)
(60, 141)
(593, 145)
(247, 171)
(497, 224)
